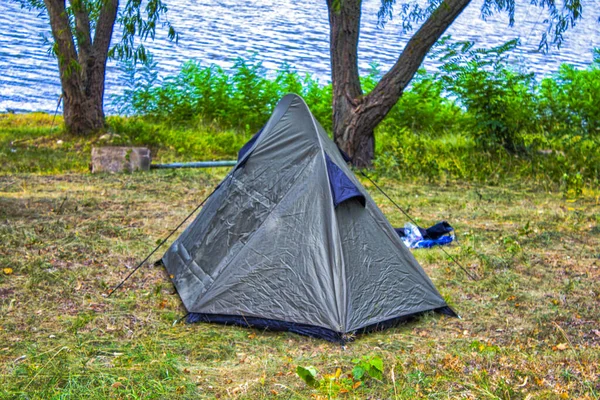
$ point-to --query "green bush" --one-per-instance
(500, 100)
(476, 119)
(569, 101)
(243, 100)
(424, 108)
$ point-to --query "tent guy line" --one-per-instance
(161, 243)
(415, 222)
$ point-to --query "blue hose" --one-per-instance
(197, 164)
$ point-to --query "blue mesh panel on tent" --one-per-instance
(345, 155)
(342, 187)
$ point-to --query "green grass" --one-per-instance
(530, 325)
(36, 143)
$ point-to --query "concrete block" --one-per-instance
(120, 159)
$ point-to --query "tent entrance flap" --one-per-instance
(342, 187)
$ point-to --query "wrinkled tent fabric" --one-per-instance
(291, 240)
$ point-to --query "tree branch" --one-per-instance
(104, 27)
(82, 30)
(389, 89)
(63, 38)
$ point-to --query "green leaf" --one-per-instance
(358, 372)
(376, 368)
(377, 363)
(308, 375)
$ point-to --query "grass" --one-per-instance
(530, 325)
(36, 143)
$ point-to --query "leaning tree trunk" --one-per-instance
(82, 68)
(355, 115)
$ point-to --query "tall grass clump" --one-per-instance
(496, 122)
(569, 101)
(499, 100)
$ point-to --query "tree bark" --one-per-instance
(82, 68)
(355, 116)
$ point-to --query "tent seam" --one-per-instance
(344, 308)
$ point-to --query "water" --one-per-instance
(292, 31)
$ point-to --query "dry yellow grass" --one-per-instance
(530, 325)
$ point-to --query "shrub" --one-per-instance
(569, 100)
(500, 100)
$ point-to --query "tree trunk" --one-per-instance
(355, 116)
(82, 114)
(344, 23)
(82, 68)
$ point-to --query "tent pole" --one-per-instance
(196, 164)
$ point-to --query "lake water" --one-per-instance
(292, 31)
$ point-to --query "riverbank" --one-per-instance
(36, 143)
(528, 328)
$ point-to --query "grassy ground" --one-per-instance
(530, 324)
(36, 143)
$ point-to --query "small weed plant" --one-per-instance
(331, 385)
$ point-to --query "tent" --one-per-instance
(291, 240)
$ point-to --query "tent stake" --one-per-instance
(415, 222)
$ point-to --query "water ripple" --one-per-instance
(292, 31)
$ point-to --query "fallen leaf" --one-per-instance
(117, 385)
(252, 335)
(356, 384)
(561, 346)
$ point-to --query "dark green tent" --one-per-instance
(291, 240)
